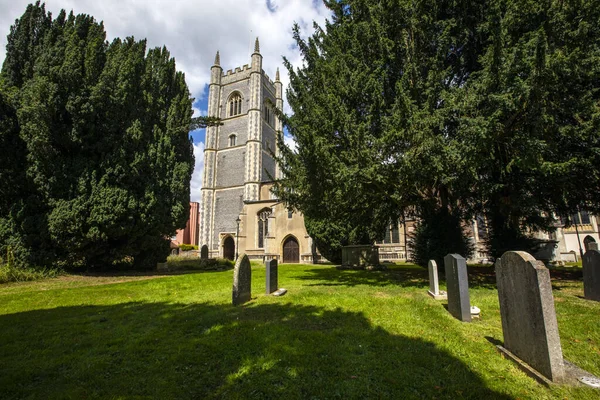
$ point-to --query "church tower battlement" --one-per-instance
(237, 158)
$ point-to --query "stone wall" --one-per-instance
(228, 204)
(230, 167)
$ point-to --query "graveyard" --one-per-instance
(334, 334)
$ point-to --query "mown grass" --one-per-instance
(336, 334)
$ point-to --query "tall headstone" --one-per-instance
(528, 316)
(457, 285)
(271, 276)
(204, 252)
(591, 274)
(242, 280)
(434, 286)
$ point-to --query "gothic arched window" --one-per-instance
(235, 104)
(263, 226)
(232, 140)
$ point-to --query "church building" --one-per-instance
(239, 214)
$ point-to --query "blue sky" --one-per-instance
(193, 31)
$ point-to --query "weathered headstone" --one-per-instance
(528, 316)
(457, 285)
(360, 256)
(434, 286)
(204, 252)
(271, 266)
(242, 280)
(591, 274)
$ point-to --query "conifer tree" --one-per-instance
(446, 109)
(107, 150)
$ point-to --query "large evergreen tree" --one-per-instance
(529, 118)
(104, 132)
(447, 109)
(369, 117)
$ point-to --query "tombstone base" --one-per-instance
(525, 367)
(279, 292)
(442, 296)
(573, 375)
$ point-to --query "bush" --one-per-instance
(10, 272)
(178, 263)
(437, 235)
(187, 247)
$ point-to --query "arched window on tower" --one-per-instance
(263, 226)
(232, 139)
(235, 105)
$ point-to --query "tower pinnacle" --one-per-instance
(217, 59)
(277, 75)
(256, 46)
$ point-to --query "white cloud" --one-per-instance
(290, 142)
(196, 182)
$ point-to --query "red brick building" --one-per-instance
(189, 235)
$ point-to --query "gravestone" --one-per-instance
(591, 274)
(434, 287)
(528, 316)
(204, 252)
(360, 256)
(457, 286)
(242, 280)
(271, 276)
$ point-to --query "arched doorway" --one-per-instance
(229, 248)
(291, 250)
(587, 240)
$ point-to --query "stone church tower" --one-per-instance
(237, 158)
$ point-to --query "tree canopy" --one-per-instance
(445, 109)
(98, 136)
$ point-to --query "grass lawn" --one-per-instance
(336, 334)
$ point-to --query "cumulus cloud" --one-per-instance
(289, 142)
(196, 182)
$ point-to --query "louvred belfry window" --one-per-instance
(235, 105)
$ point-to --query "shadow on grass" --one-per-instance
(401, 275)
(161, 350)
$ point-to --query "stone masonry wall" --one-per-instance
(228, 204)
(230, 167)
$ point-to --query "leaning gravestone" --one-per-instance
(591, 274)
(204, 252)
(271, 266)
(528, 316)
(242, 280)
(457, 285)
(434, 286)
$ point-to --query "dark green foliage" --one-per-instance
(108, 157)
(437, 234)
(187, 247)
(339, 178)
(487, 107)
(530, 122)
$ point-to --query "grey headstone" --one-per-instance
(204, 252)
(591, 274)
(592, 246)
(242, 281)
(434, 286)
(271, 276)
(457, 285)
(527, 312)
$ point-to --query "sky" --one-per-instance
(193, 31)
